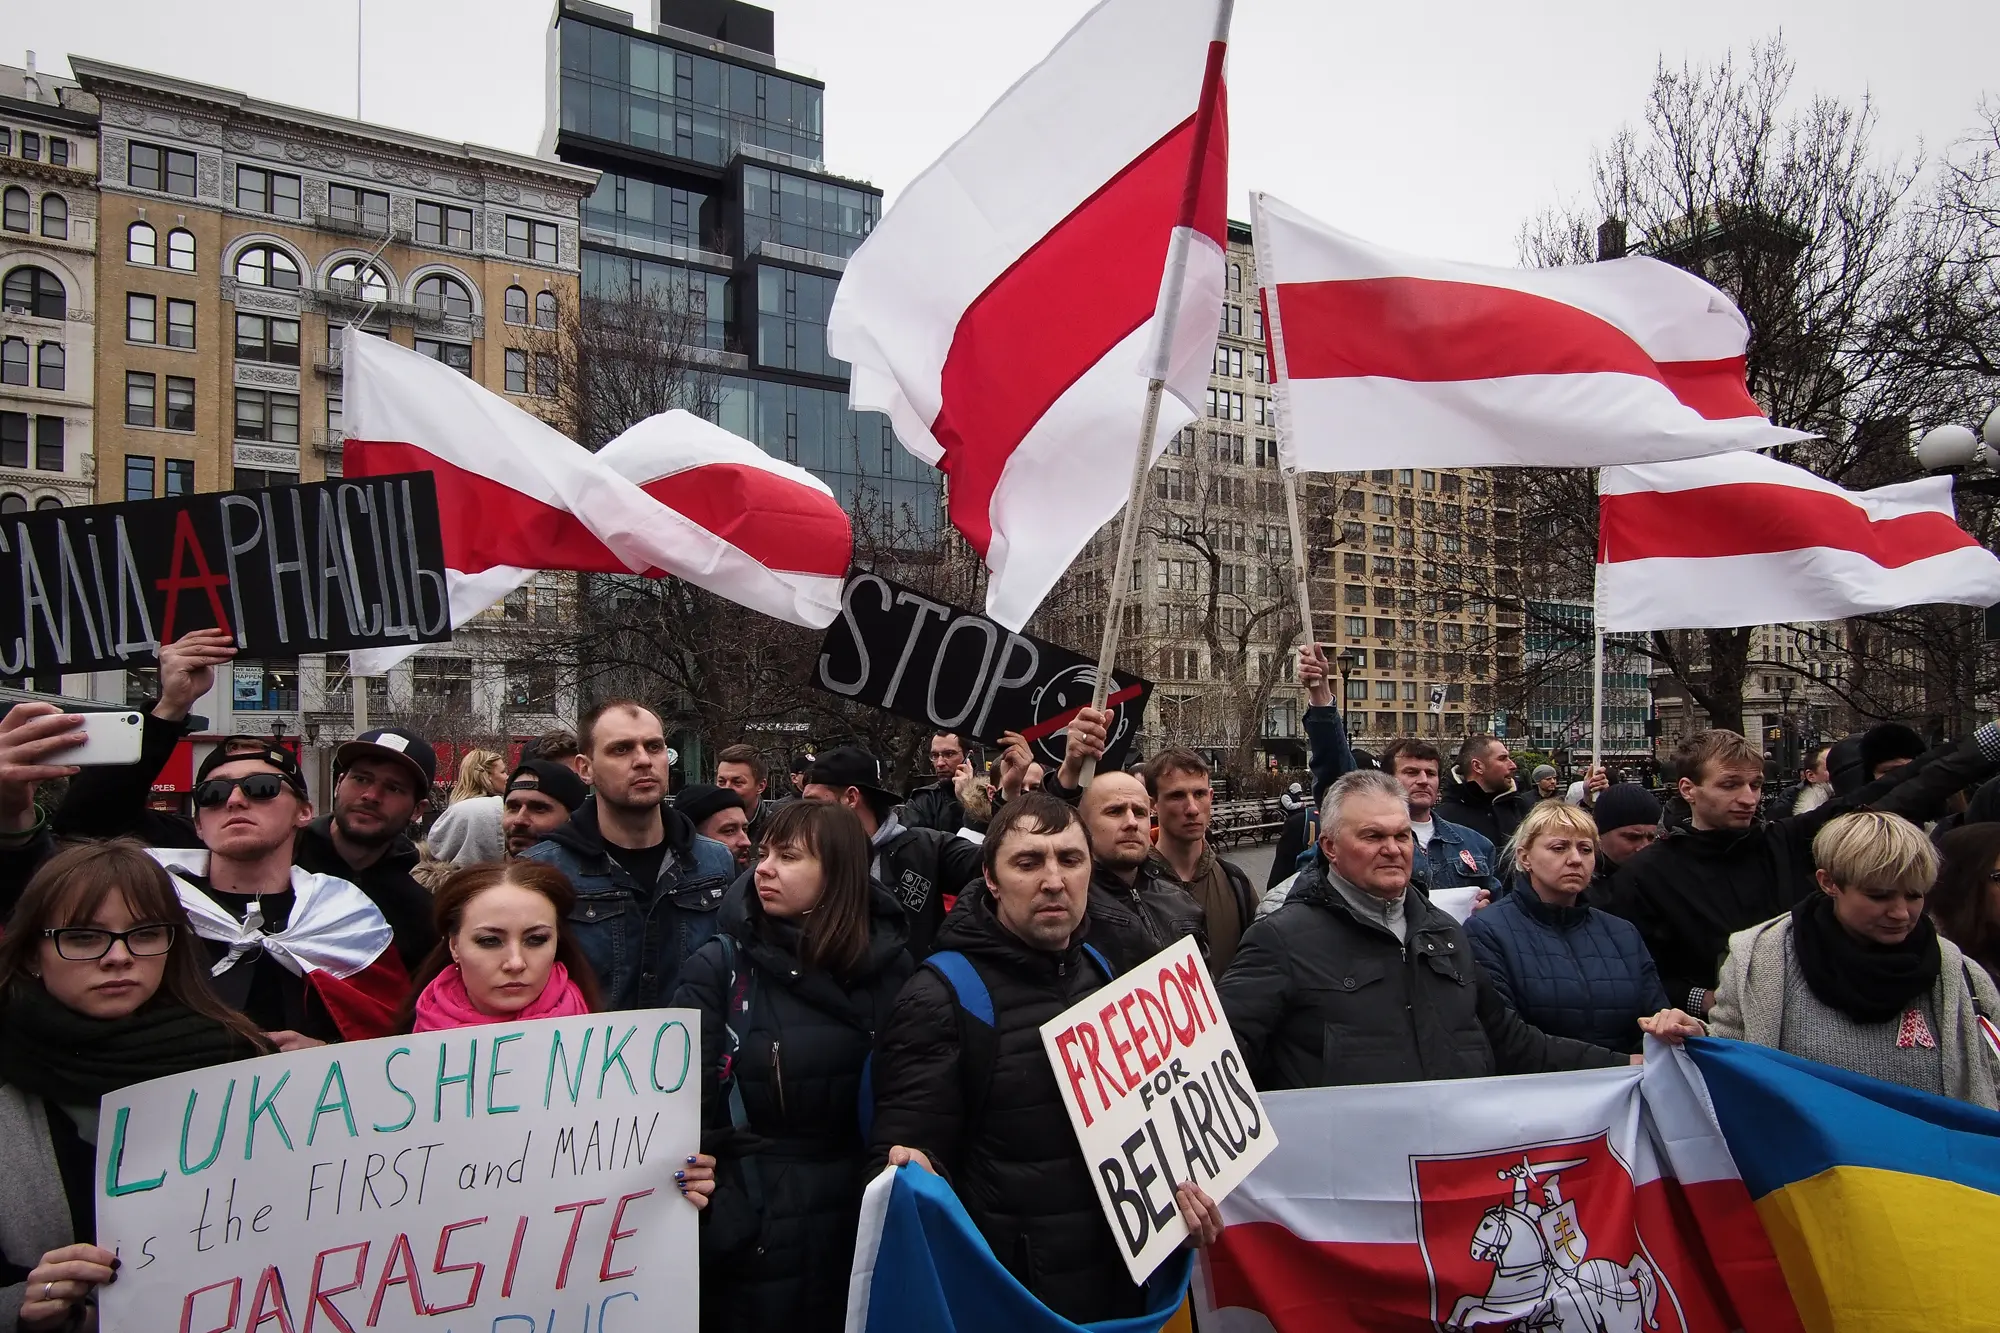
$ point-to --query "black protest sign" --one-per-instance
(293, 569)
(955, 670)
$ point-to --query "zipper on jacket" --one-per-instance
(778, 1075)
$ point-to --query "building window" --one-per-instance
(33, 291)
(257, 479)
(58, 151)
(443, 684)
(180, 324)
(49, 366)
(271, 418)
(180, 403)
(14, 361)
(516, 306)
(13, 503)
(14, 209)
(180, 476)
(456, 355)
(517, 370)
(140, 388)
(440, 224)
(6, 141)
(267, 266)
(268, 339)
(367, 209)
(263, 191)
(13, 439)
(31, 145)
(358, 281)
(141, 244)
(334, 430)
(141, 318)
(439, 294)
(527, 239)
(49, 444)
(166, 170)
(180, 250)
(545, 310)
(55, 217)
(545, 375)
(138, 477)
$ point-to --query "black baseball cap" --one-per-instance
(397, 743)
(559, 782)
(847, 766)
(260, 749)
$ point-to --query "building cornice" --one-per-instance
(21, 108)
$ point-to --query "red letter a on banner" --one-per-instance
(173, 585)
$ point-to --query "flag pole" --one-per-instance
(1300, 588)
(1597, 654)
(1166, 317)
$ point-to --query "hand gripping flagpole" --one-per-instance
(1166, 320)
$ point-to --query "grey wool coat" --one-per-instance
(34, 1214)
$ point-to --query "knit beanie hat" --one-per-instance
(700, 800)
(1624, 804)
(1886, 741)
(1543, 771)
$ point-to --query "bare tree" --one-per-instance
(615, 360)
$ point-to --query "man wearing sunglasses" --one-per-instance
(380, 781)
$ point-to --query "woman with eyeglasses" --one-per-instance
(1966, 902)
(102, 985)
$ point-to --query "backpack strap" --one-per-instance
(735, 1022)
(978, 1043)
(966, 984)
(1103, 963)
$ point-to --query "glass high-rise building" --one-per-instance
(715, 194)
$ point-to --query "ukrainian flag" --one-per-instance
(1883, 1204)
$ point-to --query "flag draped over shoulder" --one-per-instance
(920, 1263)
(1743, 539)
(1008, 311)
(672, 495)
(1383, 357)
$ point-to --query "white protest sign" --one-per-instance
(515, 1177)
(1158, 1095)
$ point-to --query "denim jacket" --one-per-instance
(1458, 857)
(636, 937)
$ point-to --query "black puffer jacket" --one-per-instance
(995, 1127)
(1472, 805)
(1131, 923)
(805, 1038)
(1318, 997)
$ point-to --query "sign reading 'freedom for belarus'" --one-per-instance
(517, 1176)
(1158, 1095)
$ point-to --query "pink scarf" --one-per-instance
(444, 1003)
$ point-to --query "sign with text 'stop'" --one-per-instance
(508, 1176)
(955, 670)
(321, 567)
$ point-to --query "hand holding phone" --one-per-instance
(36, 741)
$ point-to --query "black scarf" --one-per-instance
(1869, 982)
(71, 1059)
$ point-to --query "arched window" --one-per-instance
(517, 306)
(142, 244)
(545, 310)
(14, 209)
(35, 291)
(14, 361)
(366, 282)
(49, 366)
(49, 502)
(180, 250)
(266, 266)
(10, 503)
(442, 295)
(55, 216)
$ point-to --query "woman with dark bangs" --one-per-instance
(102, 985)
(808, 958)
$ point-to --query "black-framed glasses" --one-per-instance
(86, 944)
(256, 786)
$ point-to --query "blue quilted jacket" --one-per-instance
(1570, 971)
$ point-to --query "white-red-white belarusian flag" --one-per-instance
(674, 495)
(1743, 539)
(1007, 313)
(1382, 357)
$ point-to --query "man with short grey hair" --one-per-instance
(1357, 980)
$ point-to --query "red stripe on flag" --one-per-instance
(1757, 518)
(1049, 726)
(1058, 309)
(1431, 331)
(777, 522)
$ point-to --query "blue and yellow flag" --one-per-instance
(1882, 1203)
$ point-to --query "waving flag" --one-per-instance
(1747, 540)
(920, 1263)
(1008, 312)
(673, 495)
(1381, 356)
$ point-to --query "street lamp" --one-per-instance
(1785, 687)
(1953, 450)
(1351, 659)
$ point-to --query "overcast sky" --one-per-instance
(1434, 127)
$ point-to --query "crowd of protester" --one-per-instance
(1431, 918)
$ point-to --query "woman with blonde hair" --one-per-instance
(480, 773)
(467, 832)
(1857, 976)
(1568, 969)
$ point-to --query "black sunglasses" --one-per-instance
(256, 786)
